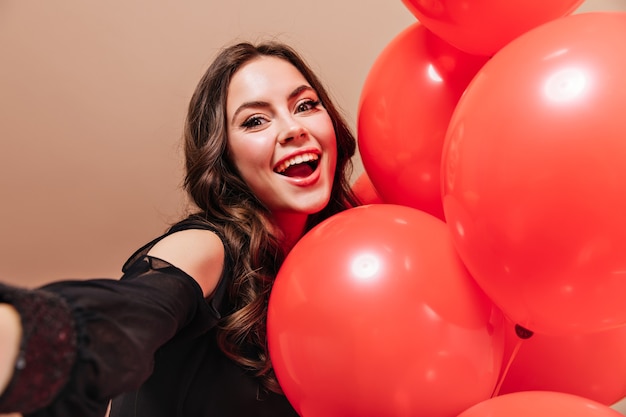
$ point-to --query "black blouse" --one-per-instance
(147, 341)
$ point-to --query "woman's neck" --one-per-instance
(291, 226)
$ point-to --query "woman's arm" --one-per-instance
(11, 334)
(84, 342)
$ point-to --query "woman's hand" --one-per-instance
(10, 336)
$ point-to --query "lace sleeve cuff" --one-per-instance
(47, 351)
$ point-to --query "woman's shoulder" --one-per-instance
(193, 245)
(195, 248)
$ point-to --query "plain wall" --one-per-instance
(92, 100)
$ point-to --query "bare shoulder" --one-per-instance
(198, 252)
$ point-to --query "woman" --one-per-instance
(183, 332)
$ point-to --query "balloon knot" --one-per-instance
(522, 332)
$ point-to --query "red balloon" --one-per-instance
(372, 314)
(539, 404)
(589, 365)
(365, 190)
(533, 176)
(405, 107)
(483, 27)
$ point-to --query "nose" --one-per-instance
(292, 130)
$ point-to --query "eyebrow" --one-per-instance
(256, 104)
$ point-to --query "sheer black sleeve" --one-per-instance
(85, 342)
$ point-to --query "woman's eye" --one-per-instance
(253, 122)
(307, 105)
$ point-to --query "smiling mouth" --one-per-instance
(300, 166)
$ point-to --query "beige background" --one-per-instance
(92, 100)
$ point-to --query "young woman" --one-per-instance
(183, 332)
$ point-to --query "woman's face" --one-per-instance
(280, 137)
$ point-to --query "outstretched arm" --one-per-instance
(80, 343)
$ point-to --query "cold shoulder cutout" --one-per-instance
(197, 252)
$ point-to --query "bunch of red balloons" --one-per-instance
(495, 160)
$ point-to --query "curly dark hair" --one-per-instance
(226, 201)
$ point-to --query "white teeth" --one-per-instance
(298, 159)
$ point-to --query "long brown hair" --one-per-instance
(228, 204)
